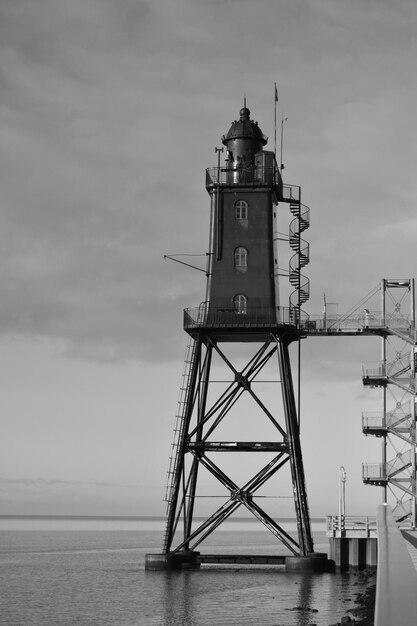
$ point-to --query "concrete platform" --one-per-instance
(183, 560)
(354, 553)
(313, 562)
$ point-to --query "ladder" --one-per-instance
(179, 421)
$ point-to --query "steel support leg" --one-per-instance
(296, 459)
(182, 444)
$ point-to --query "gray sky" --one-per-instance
(109, 114)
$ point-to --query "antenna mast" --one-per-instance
(275, 118)
(283, 119)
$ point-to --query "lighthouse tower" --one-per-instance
(241, 276)
(237, 380)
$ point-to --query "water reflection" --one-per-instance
(305, 615)
(178, 599)
(270, 597)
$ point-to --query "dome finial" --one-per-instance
(244, 113)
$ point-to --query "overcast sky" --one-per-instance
(110, 111)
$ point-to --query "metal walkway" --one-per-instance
(369, 323)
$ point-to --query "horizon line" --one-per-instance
(124, 517)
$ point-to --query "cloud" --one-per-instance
(109, 112)
(88, 207)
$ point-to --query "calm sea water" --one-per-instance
(91, 573)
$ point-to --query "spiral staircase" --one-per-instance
(300, 258)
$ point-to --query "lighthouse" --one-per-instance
(239, 346)
(243, 192)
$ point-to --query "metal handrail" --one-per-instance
(390, 419)
(374, 471)
(375, 420)
(254, 176)
(387, 471)
(342, 524)
(198, 316)
(393, 369)
(206, 316)
(359, 321)
(249, 175)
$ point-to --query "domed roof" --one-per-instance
(245, 128)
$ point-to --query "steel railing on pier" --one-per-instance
(354, 526)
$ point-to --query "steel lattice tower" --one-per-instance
(237, 334)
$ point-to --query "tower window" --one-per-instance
(241, 258)
(240, 303)
(241, 210)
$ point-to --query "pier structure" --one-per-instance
(353, 541)
(237, 414)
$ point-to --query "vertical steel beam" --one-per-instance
(203, 383)
(384, 388)
(296, 460)
(414, 409)
(182, 444)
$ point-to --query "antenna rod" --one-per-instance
(275, 119)
(166, 256)
(219, 243)
(283, 119)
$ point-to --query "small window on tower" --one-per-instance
(241, 210)
(240, 303)
(241, 259)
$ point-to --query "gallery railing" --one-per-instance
(206, 316)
